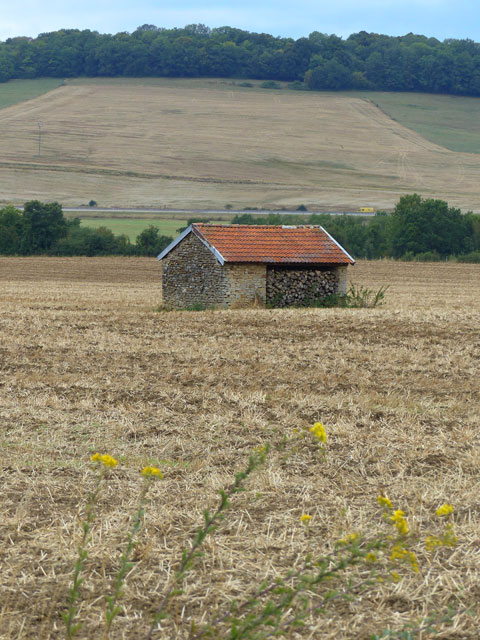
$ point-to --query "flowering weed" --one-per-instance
(102, 464)
(355, 564)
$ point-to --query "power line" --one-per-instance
(40, 124)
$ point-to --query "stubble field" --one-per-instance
(87, 364)
(199, 143)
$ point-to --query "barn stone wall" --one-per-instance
(298, 285)
(342, 279)
(192, 275)
(247, 283)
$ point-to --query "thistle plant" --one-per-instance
(102, 464)
(359, 296)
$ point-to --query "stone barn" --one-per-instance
(237, 265)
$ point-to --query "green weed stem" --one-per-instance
(74, 591)
(112, 609)
(211, 522)
(272, 611)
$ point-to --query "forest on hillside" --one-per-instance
(319, 62)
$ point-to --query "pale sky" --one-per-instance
(434, 18)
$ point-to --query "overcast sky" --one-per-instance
(295, 18)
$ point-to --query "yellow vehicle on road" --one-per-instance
(367, 210)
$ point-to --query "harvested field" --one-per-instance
(202, 143)
(87, 364)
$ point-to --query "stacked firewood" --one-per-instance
(298, 287)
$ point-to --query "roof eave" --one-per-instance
(210, 247)
(173, 244)
(352, 261)
(271, 261)
(198, 235)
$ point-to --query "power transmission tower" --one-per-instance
(40, 124)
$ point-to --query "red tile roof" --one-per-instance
(269, 244)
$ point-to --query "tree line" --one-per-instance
(417, 229)
(319, 61)
(42, 229)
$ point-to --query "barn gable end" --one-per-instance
(192, 275)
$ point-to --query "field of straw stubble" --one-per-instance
(87, 364)
(200, 143)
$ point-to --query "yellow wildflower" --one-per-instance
(444, 510)
(305, 518)
(348, 539)
(449, 538)
(402, 527)
(395, 576)
(398, 552)
(105, 459)
(319, 432)
(431, 542)
(413, 561)
(370, 557)
(385, 502)
(149, 472)
(400, 523)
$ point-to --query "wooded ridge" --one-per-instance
(319, 61)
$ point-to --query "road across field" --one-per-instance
(202, 212)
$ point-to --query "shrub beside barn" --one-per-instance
(237, 265)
